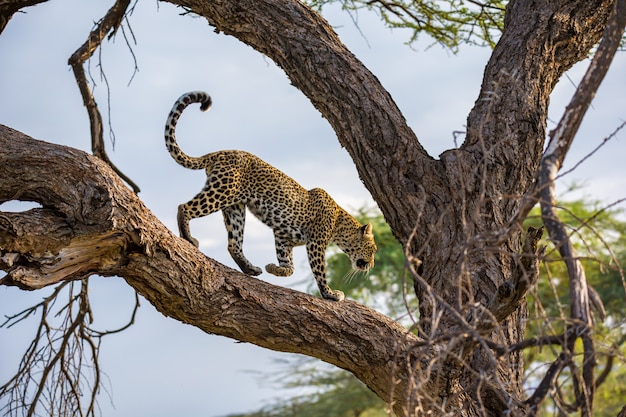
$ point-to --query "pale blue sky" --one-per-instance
(160, 367)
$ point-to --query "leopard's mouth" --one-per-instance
(362, 264)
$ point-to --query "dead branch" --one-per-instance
(107, 25)
(546, 384)
(53, 361)
(560, 141)
(62, 357)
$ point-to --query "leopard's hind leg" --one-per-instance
(186, 212)
(215, 197)
(221, 190)
(235, 220)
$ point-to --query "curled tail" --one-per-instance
(170, 126)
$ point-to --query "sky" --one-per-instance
(160, 367)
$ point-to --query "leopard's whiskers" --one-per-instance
(349, 276)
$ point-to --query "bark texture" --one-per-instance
(454, 215)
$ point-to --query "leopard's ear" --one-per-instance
(367, 231)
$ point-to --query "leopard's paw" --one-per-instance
(334, 295)
(252, 270)
(192, 240)
(279, 271)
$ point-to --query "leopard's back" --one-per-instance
(274, 197)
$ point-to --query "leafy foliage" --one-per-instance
(449, 23)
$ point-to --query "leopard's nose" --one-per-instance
(361, 264)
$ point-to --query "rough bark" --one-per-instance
(454, 214)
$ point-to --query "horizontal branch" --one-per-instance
(91, 223)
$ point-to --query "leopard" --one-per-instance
(237, 180)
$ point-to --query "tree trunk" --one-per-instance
(445, 212)
(453, 214)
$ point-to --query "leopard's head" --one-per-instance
(361, 248)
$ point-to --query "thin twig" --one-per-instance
(52, 373)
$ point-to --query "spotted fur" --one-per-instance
(238, 179)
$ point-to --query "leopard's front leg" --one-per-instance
(284, 254)
(316, 251)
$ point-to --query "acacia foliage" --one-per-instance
(449, 23)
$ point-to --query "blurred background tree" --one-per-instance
(600, 236)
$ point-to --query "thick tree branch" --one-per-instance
(87, 210)
(9, 7)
